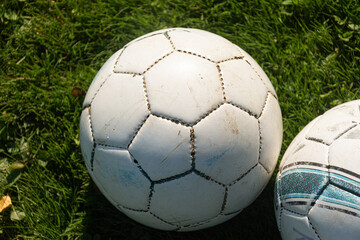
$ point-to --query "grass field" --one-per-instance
(309, 49)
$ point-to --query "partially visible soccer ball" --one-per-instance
(181, 129)
(317, 192)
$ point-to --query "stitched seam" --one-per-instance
(203, 175)
(146, 94)
(174, 120)
(93, 139)
(243, 109)
(318, 195)
(166, 34)
(280, 215)
(142, 38)
(230, 59)
(111, 146)
(262, 80)
(177, 176)
(195, 54)
(138, 129)
(157, 61)
(189, 124)
(260, 145)
(125, 72)
(117, 59)
(132, 209)
(231, 213)
(262, 165)
(346, 131)
(163, 219)
(265, 102)
(192, 148)
(337, 137)
(221, 81)
(243, 175)
(92, 99)
(141, 169)
(199, 223)
(294, 212)
(317, 140)
(317, 234)
(208, 113)
(224, 201)
(146, 70)
(150, 195)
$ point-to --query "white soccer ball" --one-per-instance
(181, 129)
(317, 192)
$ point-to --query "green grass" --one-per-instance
(309, 49)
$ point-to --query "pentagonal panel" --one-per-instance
(258, 70)
(270, 133)
(345, 152)
(186, 200)
(183, 86)
(100, 78)
(162, 148)
(245, 191)
(243, 86)
(86, 139)
(334, 123)
(148, 219)
(294, 226)
(120, 179)
(227, 143)
(333, 217)
(141, 54)
(118, 110)
(204, 43)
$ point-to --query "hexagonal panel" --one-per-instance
(204, 43)
(148, 219)
(100, 77)
(186, 200)
(258, 70)
(245, 191)
(120, 179)
(141, 54)
(86, 139)
(226, 143)
(294, 226)
(345, 152)
(162, 148)
(243, 86)
(118, 110)
(333, 123)
(184, 87)
(271, 131)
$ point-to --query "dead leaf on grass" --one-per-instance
(5, 202)
(78, 92)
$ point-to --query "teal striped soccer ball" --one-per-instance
(317, 191)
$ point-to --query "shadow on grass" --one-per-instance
(104, 221)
